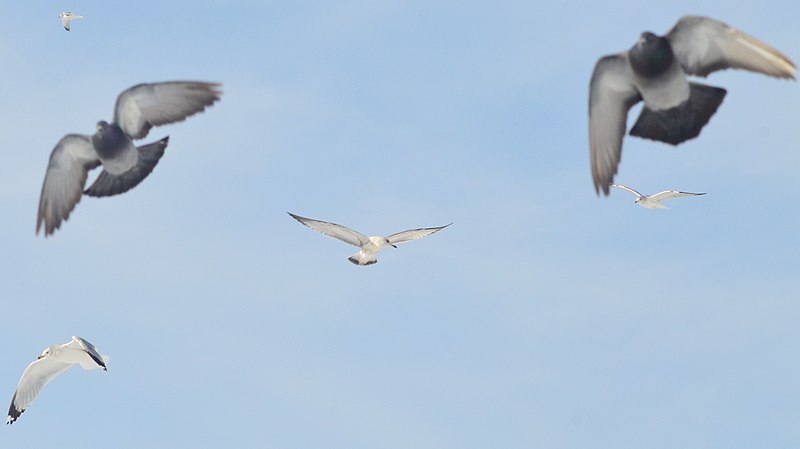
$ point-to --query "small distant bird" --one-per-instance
(369, 245)
(654, 201)
(54, 360)
(654, 71)
(67, 17)
(124, 165)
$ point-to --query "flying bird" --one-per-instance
(654, 201)
(369, 246)
(655, 71)
(67, 17)
(124, 165)
(53, 361)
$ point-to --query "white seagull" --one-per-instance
(54, 360)
(369, 245)
(67, 17)
(654, 201)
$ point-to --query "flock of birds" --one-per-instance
(654, 70)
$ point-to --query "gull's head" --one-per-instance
(638, 199)
(47, 351)
(386, 242)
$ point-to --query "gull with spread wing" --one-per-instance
(124, 165)
(654, 71)
(67, 17)
(369, 246)
(53, 361)
(654, 201)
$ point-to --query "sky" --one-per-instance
(544, 317)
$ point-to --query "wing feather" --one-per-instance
(413, 234)
(667, 194)
(70, 162)
(143, 106)
(704, 45)
(334, 230)
(626, 188)
(83, 345)
(38, 374)
(611, 95)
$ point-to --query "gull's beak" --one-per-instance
(41, 356)
(393, 246)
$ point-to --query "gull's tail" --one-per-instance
(360, 258)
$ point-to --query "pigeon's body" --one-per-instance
(115, 150)
(67, 18)
(655, 71)
(53, 361)
(137, 109)
(654, 201)
(368, 246)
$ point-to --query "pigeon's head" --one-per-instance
(108, 136)
(651, 56)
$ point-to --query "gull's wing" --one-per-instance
(334, 230)
(667, 194)
(70, 162)
(703, 45)
(65, 20)
(80, 344)
(611, 95)
(33, 379)
(152, 104)
(620, 186)
(413, 234)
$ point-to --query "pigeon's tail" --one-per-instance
(683, 122)
(107, 184)
(360, 259)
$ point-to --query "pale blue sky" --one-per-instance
(544, 317)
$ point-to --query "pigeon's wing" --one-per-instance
(667, 194)
(146, 105)
(413, 234)
(703, 45)
(80, 344)
(70, 162)
(620, 186)
(334, 230)
(611, 95)
(33, 379)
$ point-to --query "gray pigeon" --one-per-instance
(124, 165)
(655, 71)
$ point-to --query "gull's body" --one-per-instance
(655, 71)
(368, 246)
(53, 361)
(67, 17)
(654, 201)
(125, 165)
